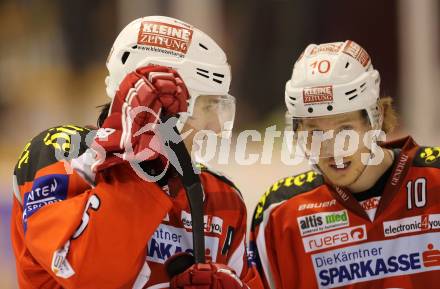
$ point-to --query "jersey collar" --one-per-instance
(400, 169)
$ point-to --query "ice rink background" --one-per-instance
(52, 56)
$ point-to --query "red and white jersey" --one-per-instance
(72, 229)
(306, 234)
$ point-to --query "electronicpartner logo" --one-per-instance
(321, 222)
(377, 260)
(411, 225)
(212, 224)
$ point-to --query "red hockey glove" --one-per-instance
(207, 276)
(128, 131)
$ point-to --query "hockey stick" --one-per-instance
(194, 193)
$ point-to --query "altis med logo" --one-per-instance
(168, 240)
(322, 222)
(377, 260)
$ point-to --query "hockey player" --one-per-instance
(368, 214)
(95, 220)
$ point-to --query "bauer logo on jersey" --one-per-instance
(168, 240)
(319, 205)
(164, 35)
(335, 238)
(411, 225)
(45, 190)
(377, 260)
(321, 222)
(213, 224)
(318, 94)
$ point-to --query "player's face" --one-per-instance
(212, 115)
(340, 169)
(211, 112)
(205, 114)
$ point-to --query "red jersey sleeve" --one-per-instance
(265, 252)
(71, 233)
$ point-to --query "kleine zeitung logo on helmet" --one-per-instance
(318, 94)
(165, 35)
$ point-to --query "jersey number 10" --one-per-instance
(416, 193)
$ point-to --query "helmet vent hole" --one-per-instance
(351, 98)
(203, 72)
(125, 56)
(351, 91)
(218, 75)
(329, 108)
(310, 110)
(363, 87)
(347, 64)
(292, 98)
(203, 46)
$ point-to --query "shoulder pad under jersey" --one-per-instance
(218, 175)
(48, 147)
(427, 157)
(285, 189)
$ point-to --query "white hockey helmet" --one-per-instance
(333, 78)
(169, 42)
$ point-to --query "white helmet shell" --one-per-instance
(333, 78)
(169, 42)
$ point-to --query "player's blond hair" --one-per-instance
(389, 114)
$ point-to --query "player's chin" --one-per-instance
(341, 178)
